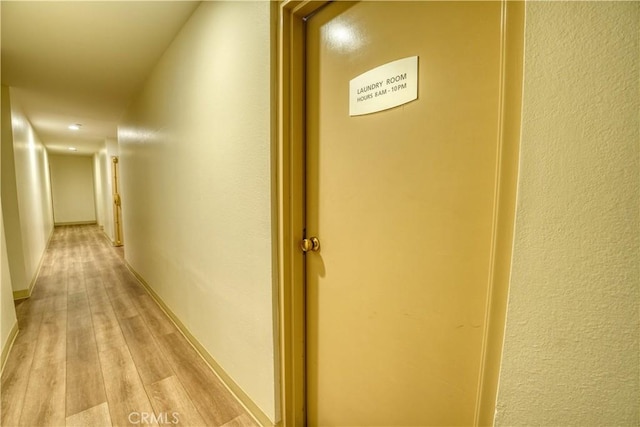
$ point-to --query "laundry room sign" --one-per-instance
(387, 86)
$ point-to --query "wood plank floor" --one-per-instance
(94, 349)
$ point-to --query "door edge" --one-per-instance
(290, 204)
(506, 179)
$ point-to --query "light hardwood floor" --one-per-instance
(94, 349)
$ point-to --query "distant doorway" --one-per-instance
(117, 201)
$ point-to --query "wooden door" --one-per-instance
(117, 201)
(403, 203)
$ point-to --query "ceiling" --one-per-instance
(82, 62)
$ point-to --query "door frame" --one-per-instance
(290, 181)
(290, 178)
(116, 201)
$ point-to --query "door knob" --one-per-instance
(311, 244)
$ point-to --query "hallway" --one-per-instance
(478, 238)
(94, 349)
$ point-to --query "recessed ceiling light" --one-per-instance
(75, 126)
(73, 149)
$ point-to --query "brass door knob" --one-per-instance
(311, 244)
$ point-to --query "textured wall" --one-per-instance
(10, 213)
(571, 353)
(7, 309)
(33, 189)
(99, 187)
(195, 168)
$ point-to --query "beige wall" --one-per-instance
(571, 353)
(7, 310)
(26, 196)
(196, 184)
(98, 186)
(72, 188)
(9, 195)
(8, 318)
